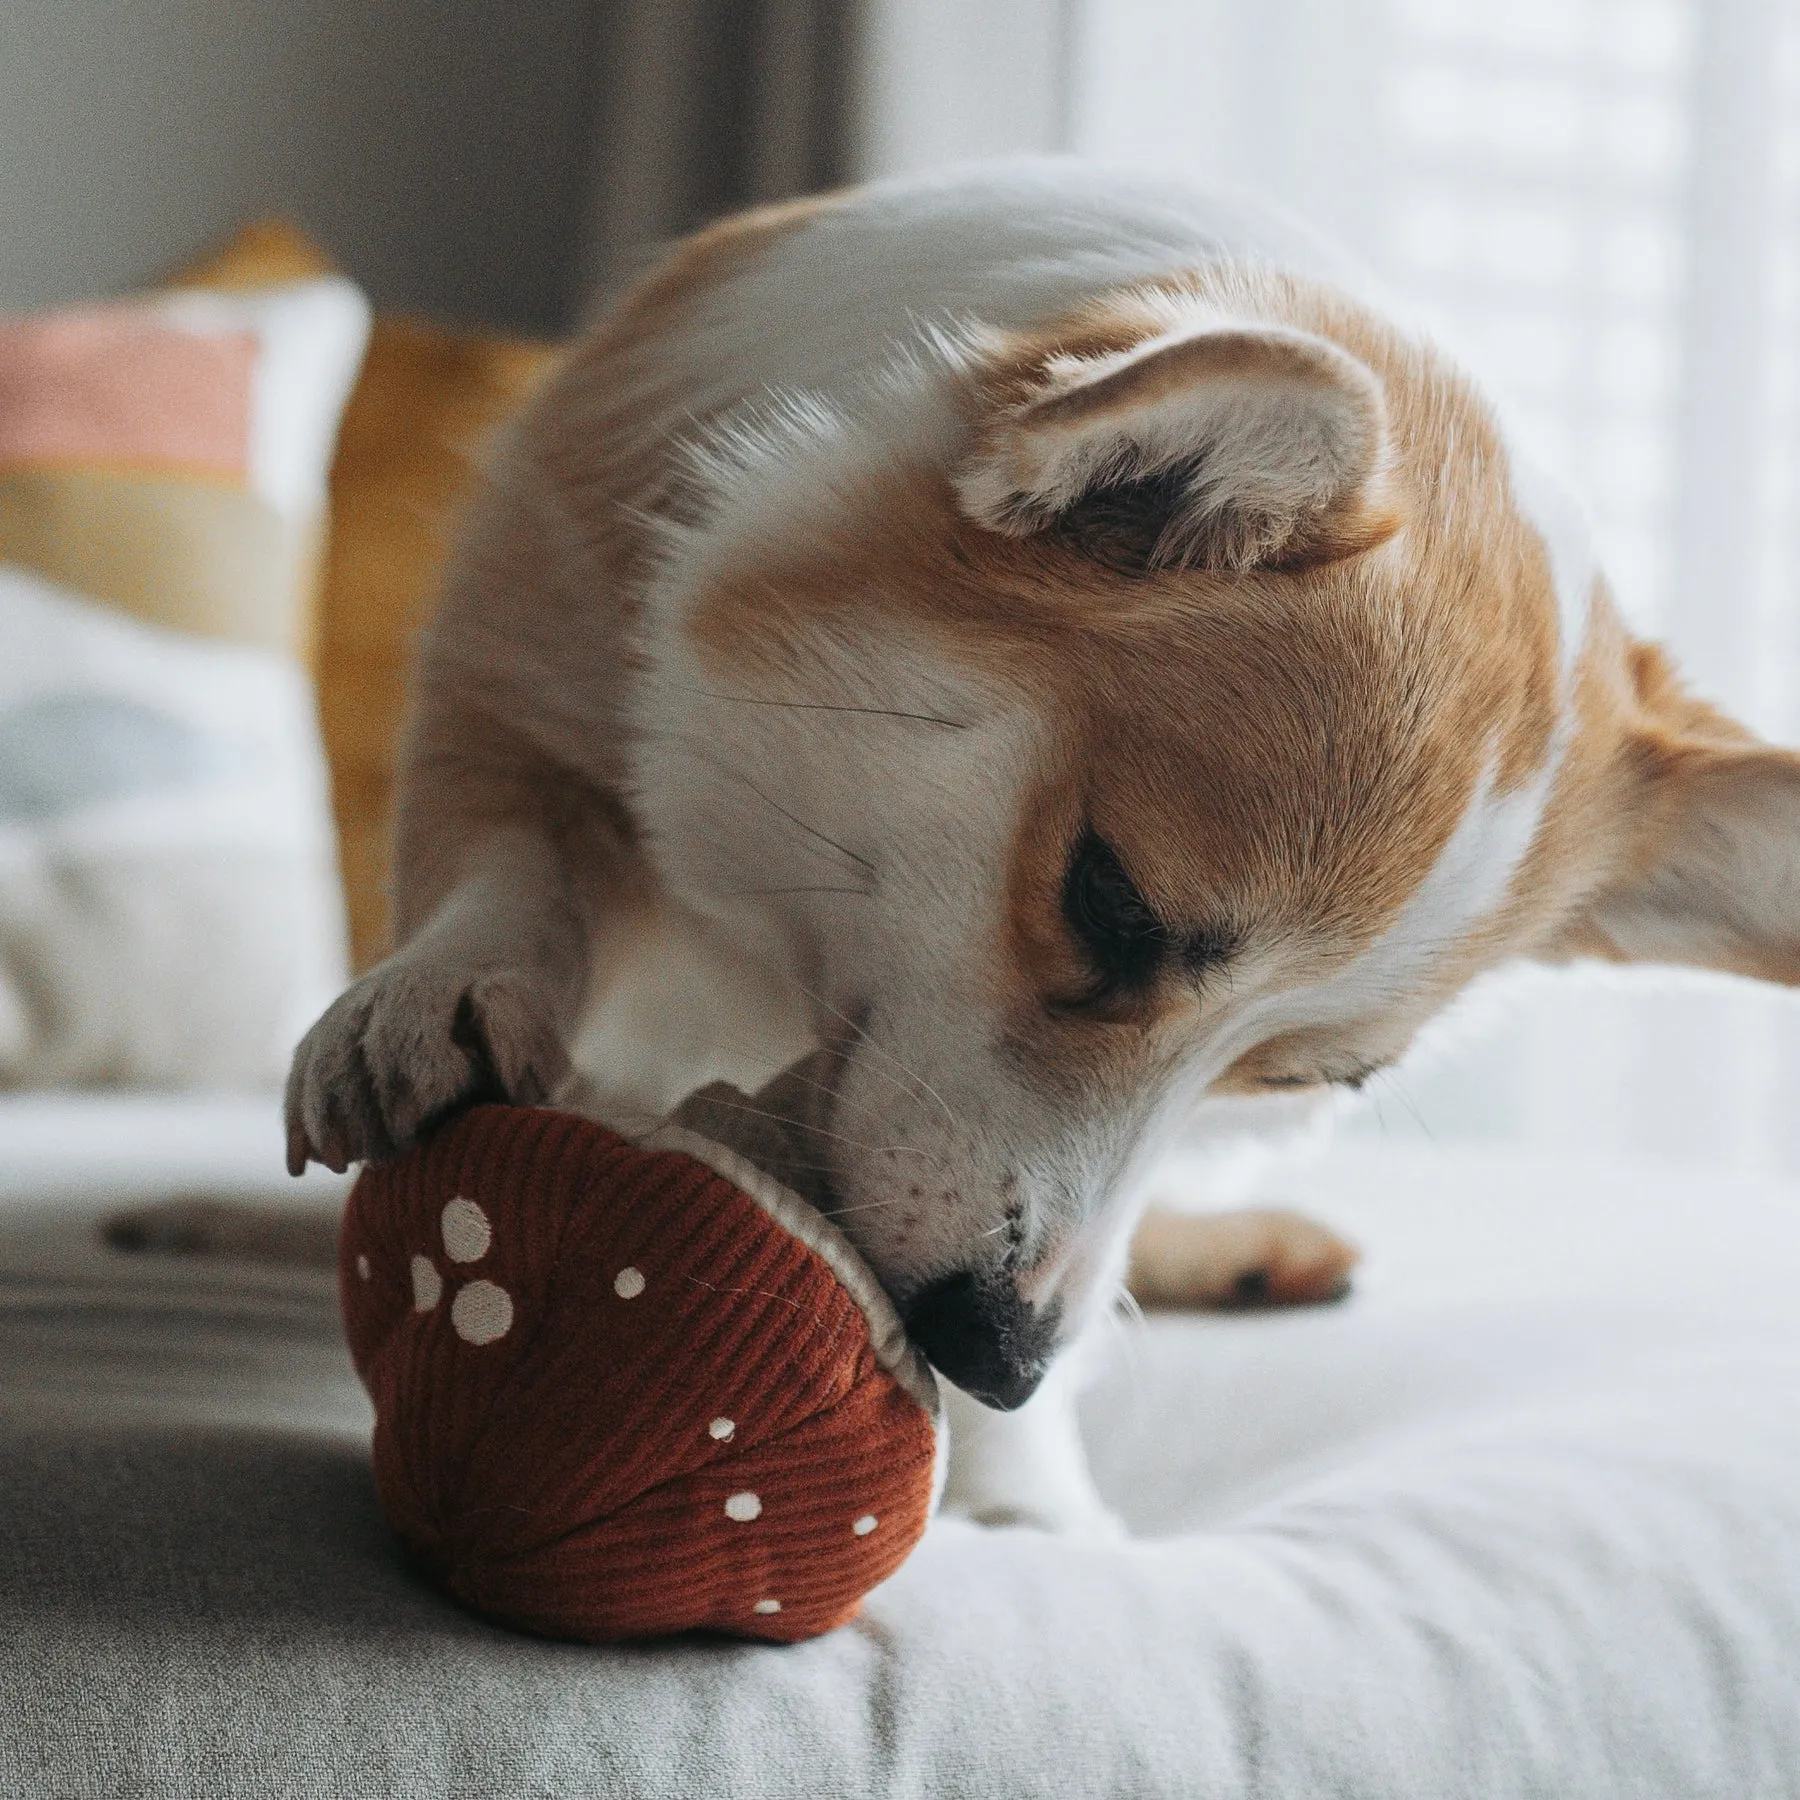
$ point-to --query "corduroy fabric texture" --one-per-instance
(614, 1398)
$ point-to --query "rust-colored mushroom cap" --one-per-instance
(624, 1391)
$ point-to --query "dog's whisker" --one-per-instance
(843, 1212)
(893, 1079)
(878, 712)
(1126, 1324)
(792, 1124)
(842, 1102)
(810, 830)
(804, 888)
(1129, 1311)
(1391, 1081)
(887, 1055)
(704, 755)
(848, 1107)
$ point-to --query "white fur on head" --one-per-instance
(1239, 443)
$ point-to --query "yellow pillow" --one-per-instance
(427, 399)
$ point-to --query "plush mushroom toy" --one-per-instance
(624, 1389)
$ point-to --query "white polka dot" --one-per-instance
(628, 1283)
(428, 1284)
(362, 1268)
(865, 1524)
(743, 1507)
(467, 1233)
(767, 1606)
(721, 1429)
(482, 1312)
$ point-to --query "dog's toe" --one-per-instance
(406, 1046)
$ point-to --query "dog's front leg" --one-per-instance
(1027, 1467)
(510, 872)
(471, 1008)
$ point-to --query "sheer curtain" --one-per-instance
(706, 107)
(1600, 199)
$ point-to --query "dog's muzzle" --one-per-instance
(979, 1333)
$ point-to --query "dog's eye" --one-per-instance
(1125, 943)
(1354, 1079)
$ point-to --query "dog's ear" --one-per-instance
(1221, 445)
(1711, 877)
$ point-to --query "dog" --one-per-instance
(1054, 660)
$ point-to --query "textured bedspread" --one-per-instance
(1522, 1518)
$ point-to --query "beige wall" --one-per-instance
(440, 147)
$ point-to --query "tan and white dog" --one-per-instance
(1053, 640)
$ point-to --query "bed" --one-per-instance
(1522, 1517)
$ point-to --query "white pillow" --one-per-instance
(170, 912)
(311, 336)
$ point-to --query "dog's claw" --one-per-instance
(409, 1043)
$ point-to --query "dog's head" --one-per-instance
(1173, 706)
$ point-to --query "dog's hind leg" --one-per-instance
(1254, 1257)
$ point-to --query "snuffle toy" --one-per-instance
(624, 1389)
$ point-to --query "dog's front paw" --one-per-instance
(408, 1043)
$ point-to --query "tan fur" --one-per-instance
(1301, 777)
(1279, 750)
(555, 546)
(1256, 1257)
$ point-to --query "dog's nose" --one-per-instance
(980, 1334)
